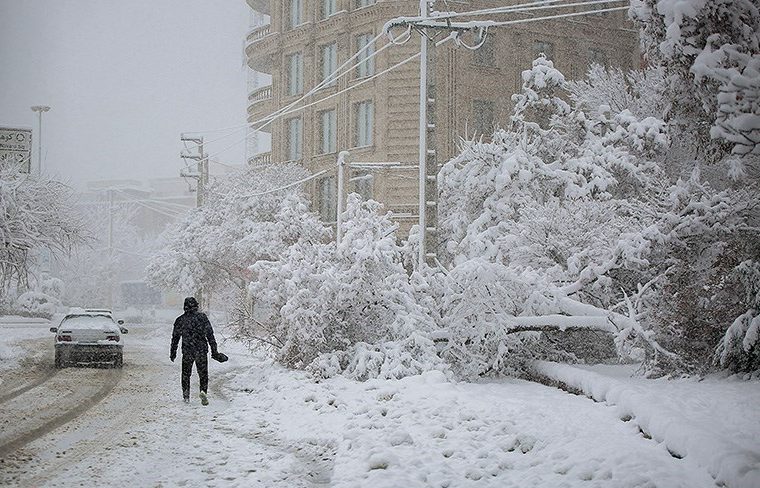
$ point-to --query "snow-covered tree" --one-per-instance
(545, 225)
(239, 223)
(567, 220)
(35, 214)
(710, 52)
(347, 309)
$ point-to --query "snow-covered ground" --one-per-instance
(269, 427)
(712, 423)
(19, 335)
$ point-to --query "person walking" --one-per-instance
(195, 330)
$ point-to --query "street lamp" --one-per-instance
(39, 109)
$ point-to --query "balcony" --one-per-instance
(260, 104)
(259, 95)
(261, 6)
(261, 158)
(260, 44)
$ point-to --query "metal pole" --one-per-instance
(422, 133)
(39, 143)
(39, 109)
(342, 156)
(110, 244)
(202, 176)
(202, 169)
(200, 190)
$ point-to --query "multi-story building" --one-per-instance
(302, 41)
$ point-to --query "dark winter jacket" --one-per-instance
(195, 330)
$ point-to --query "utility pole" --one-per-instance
(342, 157)
(201, 176)
(428, 164)
(40, 109)
(110, 244)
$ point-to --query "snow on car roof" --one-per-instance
(89, 321)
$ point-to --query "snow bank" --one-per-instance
(702, 422)
(426, 431)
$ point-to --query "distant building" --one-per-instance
(300, 41)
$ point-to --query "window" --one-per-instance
(295, 13)
(484, 55)
(329, 61)
(329, 7)
(327, 129)
(366, 65)
(363, 184)
(295, 139)
(364, 3)
(328, 199)
(483, 114)
(365, 117)
(543, 47)
(596, 56)
(295, 73)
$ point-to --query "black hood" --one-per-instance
(191, 304)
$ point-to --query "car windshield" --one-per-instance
(89, 322)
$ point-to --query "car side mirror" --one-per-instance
(120, 322)
(124, 330)
(54, 329)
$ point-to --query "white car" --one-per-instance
(91, 337)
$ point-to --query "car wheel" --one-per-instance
(58, 360)
(119, 361)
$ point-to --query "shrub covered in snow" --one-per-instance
(537, 222)
(347, 308)
(37, 304)
(566, 220)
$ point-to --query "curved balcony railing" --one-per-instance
(260, 95)
(259, 47)
(261, 158)
(259, 33)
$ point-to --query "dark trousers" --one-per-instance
(201, 365)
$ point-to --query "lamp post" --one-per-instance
(40, 109)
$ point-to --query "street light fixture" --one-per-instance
(40, 109)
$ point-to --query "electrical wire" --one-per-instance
(169, 212)
(491, 23)
(362, 82)
(291, 185)
(334, 76)
(524, 7)
(477, 24)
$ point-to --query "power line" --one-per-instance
(334, 76)
(299, 109)
(291, 185)
(494, 23)
(331, 77)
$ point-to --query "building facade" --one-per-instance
(299, 42)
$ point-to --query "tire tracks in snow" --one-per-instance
(23, 389)
(8, 447)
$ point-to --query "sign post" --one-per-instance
(16, 147)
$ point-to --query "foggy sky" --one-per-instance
(123, 78)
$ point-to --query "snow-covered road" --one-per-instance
(271, 427)
(62, 429)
